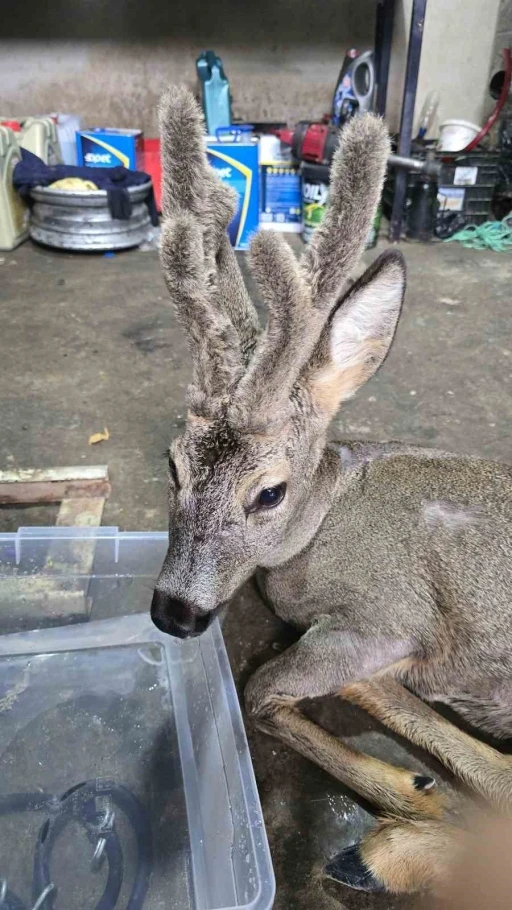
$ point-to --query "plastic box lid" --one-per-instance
(126, 779)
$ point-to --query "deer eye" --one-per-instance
(271, 497)
(173, 471)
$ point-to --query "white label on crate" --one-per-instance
(465, 176)
(450, 199)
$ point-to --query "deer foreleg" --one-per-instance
(482, 768)
(324, 660)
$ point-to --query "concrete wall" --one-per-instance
(458, 45)
(118, 84)
(108, 59)
(503, 39)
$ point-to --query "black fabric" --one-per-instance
(31, 171)
(119, 203)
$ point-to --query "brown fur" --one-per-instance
(411, 856)
(391, 789)
(394, 561)
(484, 769)
(479, 873)
(464, 867)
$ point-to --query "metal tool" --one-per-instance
(428, 166)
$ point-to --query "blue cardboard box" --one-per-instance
(102, 147)
(237, 165)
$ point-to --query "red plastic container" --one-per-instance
(12, 124)
(153, 167)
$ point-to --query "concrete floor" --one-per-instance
(89, 342)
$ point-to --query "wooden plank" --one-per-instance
(32, 492)
(59, 593)
(76, 558)
(55, 475)
(81, 513)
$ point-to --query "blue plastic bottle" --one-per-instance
(215, 90)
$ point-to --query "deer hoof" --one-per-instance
(349, 868)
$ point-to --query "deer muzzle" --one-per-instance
(178, 617)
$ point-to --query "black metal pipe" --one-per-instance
(383, 41)
(427, 166)
(406, 120)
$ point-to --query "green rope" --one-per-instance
(491, 235)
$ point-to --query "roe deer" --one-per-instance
(394, 561)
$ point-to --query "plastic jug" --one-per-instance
(39, 136)
(13, 212)
(215, 91)
(14, 124)
(355, 87)
(68, 126)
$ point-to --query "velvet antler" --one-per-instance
(199, 265)
(301, 296)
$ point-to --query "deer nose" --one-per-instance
(178, 617)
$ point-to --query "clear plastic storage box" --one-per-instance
(125, 775)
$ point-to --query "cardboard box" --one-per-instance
(237, 165)
(102, 147)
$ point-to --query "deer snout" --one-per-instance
(178, 617)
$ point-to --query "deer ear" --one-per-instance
(359, 333)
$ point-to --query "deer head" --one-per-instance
(247, 480)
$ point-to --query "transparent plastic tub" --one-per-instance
(125, 775)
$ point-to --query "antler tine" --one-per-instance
(300, 298)
(231, 294)
(270, 374)
(191, 185)
(183, 156)
(187, 247)
(357, 176)
(212, 338)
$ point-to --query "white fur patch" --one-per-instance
(451, 515)
(347, 457)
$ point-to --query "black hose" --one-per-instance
(79, 805)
